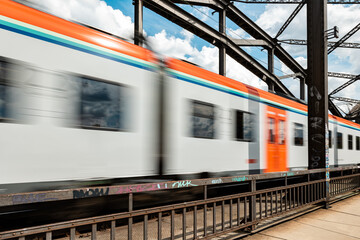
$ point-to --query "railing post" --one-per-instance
(252, 209)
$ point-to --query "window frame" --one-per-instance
(357, 139)
(193, 114)
(350, 142)
(303, 135)
(339, 134)
(251, 115)
(79, 79)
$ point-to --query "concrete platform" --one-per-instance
(340, 222)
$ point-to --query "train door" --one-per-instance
(276, 142)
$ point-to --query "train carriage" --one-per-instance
(80, 104)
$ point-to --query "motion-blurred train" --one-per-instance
(81, 104)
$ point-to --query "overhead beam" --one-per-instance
(341, 75)
(348, 83)
(292, 16)
(251, 43)
(344, 38)
(330, 44)
(343, 99)
(290, 76)
(297, 1)
(187, 21)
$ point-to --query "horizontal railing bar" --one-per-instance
(66, 194)
(86, 221)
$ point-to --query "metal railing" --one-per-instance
(205, 218)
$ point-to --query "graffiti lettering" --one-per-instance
(316, 122)
(216, 181)
(31, 198)
(141, 188)
(317, 138)
(181, 184)
(239, 179)
(289, 174)
(96, 192)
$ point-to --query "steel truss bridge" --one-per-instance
(171, 10)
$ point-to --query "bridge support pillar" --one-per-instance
(302, 88)
(271, 68)
(138, 31)
(317, 88)
(222, 49)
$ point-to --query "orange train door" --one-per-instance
(276, 142)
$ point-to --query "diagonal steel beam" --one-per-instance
(344, 38)
(343, 99)
(170, 11)
(341, 75)
(239, 18)
(348, 83)
(292, 16)
(330, 44)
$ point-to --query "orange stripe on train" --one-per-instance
(40, 19)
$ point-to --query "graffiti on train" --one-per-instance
(216, 181)
(142, 188)
(90, 192)
(31, 198)
(239, 179)
(181, 184)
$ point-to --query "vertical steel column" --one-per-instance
(271, 68)
(138, 22)
(222, 49)
(252, 204)
(317, 85)
(317, 82)
(302, 88)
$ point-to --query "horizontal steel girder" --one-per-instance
(251, 43)
(330, 44)
(187, 21)
(239, 18)
(341, 75)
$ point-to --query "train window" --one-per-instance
(281, 132)
(339, 141)
(299, 134)
(101, 106)
(4, 89)
(350, 142)
(203, 119)
(271, 130)
(330, 136)
(357, 143)
(244, 126)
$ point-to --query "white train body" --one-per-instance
(80, 104)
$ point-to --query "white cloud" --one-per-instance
(95, 13)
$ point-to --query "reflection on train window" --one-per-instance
(299, 134)
(244, 126)
(281, 132)
(350, 142)
(339, 141)
(357, 143)
(101, 106)
(3, 88)
(271, 130)
(203, 118)
(330, 138)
